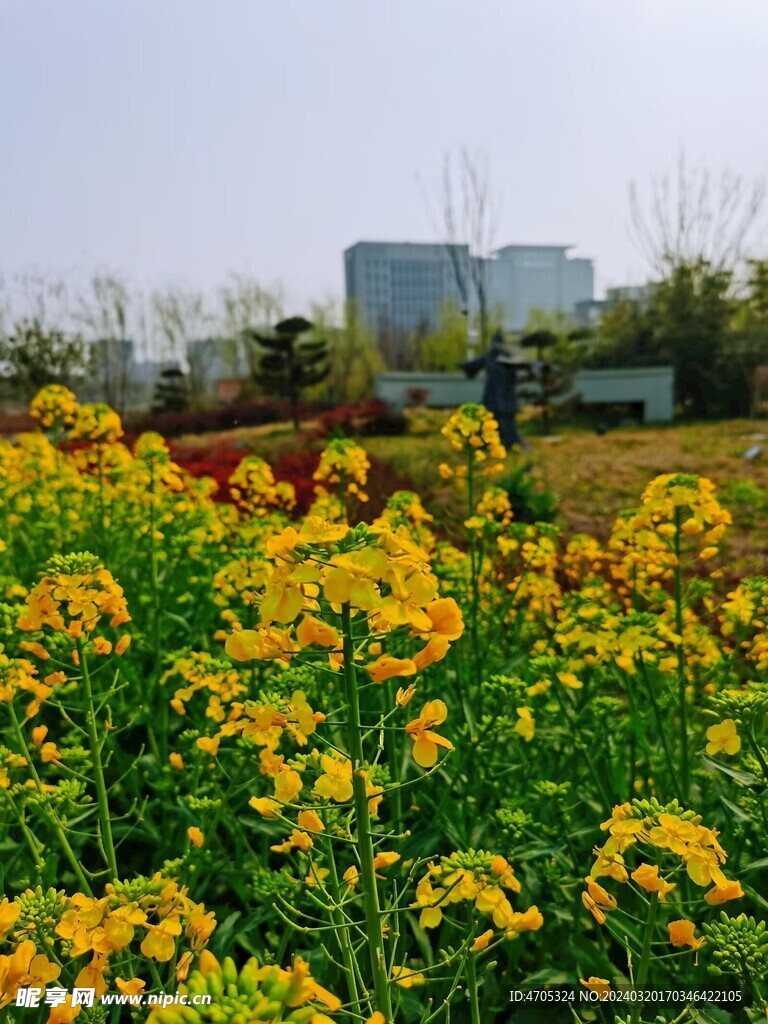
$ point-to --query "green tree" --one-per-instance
(353, 355)
(447, 346)
(567, 349)
(171, 391)
(32, 356)
(748, 346)
(625, 337)
(687, 324)
(692, 310)
(693, 229)
(289, 360)
(551, 374)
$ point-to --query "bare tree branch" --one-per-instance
(468, 217)
(695, 217)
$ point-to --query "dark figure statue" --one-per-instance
(499, 394)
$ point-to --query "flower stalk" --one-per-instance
(645, 955)
(61, 835)
(682, 695)
(95, 744)
(372, 909)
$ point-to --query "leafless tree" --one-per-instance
(694, 216)
(246, 304)
(468, 216)
(103, 312)
(35, 296)
(183, 323)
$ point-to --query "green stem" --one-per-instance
(682, 695)
(69, 853)
(160, 749)
(474, 1004)
(29, 839)
(341, 928)
(598, 776)
(374, 937)
(645, 956)
(659, 723)
(203, 871)
(98, 770)
(393, 760)
(474, 572)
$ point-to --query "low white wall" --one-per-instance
(444, 390)
(652, 385)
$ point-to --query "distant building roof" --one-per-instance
(412, 245)
(533, 245)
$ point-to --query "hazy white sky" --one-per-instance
(177, 140)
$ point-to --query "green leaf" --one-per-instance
(713, 1015)
(546, 976)
(745, 778)
(225, 933)
(737, 812)
(756, 896)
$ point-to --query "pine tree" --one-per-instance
(288, 362)
(171, 391)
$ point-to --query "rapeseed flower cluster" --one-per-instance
(344, 467)
(668, 838)
(98, 423)
(481, 880)
(54, 407)
(680, 503)
(255, 491)
(153, 466)
(203, 672)
(744, 619)
(405, 509)
(74, 593)
(379, 575)
(97, 939)
(19, 678)
(473, 432)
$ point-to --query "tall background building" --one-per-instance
(401, 286)
(521, 278)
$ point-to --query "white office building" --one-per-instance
(523, 278)
(402, 285)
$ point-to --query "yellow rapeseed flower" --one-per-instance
(426, 741)
(681, 933)
(336, 781)
(723, 738)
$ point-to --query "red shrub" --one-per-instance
(16, 423)
(363, 419)
(297, 468)
(241, 414)
(218, 463)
